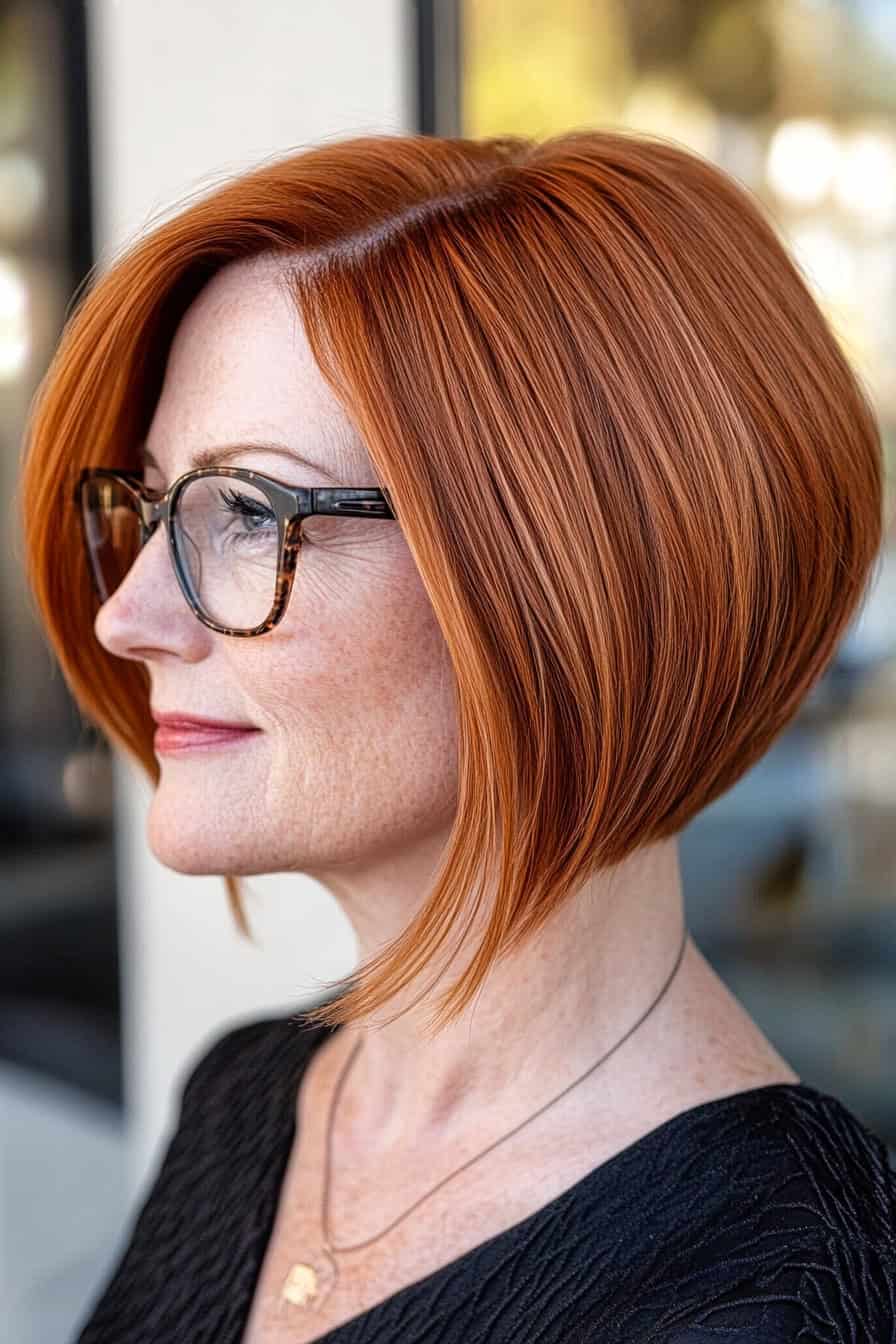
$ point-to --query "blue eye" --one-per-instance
(257, 518)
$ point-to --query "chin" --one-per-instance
(180, 859)
(198, 849)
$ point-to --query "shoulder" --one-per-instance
(795, 1137)
(823, 1172)
(229, 1143)
(795, 1238)
(255, 1049)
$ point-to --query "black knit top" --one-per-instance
(758, 1218)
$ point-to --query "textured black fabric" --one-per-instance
(759, 1218)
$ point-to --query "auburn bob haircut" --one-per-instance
(641, 482)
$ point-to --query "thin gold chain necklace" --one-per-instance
(309, 1283)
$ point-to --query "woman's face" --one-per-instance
(351, 693)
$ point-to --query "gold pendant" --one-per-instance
(308, 1285)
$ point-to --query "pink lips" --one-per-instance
(178, 733)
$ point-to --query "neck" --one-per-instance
(547, 1012)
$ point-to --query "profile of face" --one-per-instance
(353, 760)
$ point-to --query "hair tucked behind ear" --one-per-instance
(641, 483)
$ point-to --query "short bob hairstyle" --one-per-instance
(641, 482)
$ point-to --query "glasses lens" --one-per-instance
(112, 531)
(227, 538)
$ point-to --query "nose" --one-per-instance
(147, 615)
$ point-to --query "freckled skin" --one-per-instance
(349, 687)
(353, 780)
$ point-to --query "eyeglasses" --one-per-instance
(234, 536)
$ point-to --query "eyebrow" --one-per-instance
(225, 452)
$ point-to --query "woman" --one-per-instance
(610, 496)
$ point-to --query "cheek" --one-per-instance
(368, 663)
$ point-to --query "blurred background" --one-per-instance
(115, 972)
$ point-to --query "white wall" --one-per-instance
(183, 94)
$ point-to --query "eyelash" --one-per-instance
(243, 507)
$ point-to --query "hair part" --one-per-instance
(638, 476)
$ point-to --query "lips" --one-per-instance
(175, 720)
(180, 732)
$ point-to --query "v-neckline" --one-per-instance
(311, 1038)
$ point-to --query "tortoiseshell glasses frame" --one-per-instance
(290, 504)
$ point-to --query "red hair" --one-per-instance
(639, 478)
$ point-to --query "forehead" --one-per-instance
(240, 366)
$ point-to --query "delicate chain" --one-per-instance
(344, 1074)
